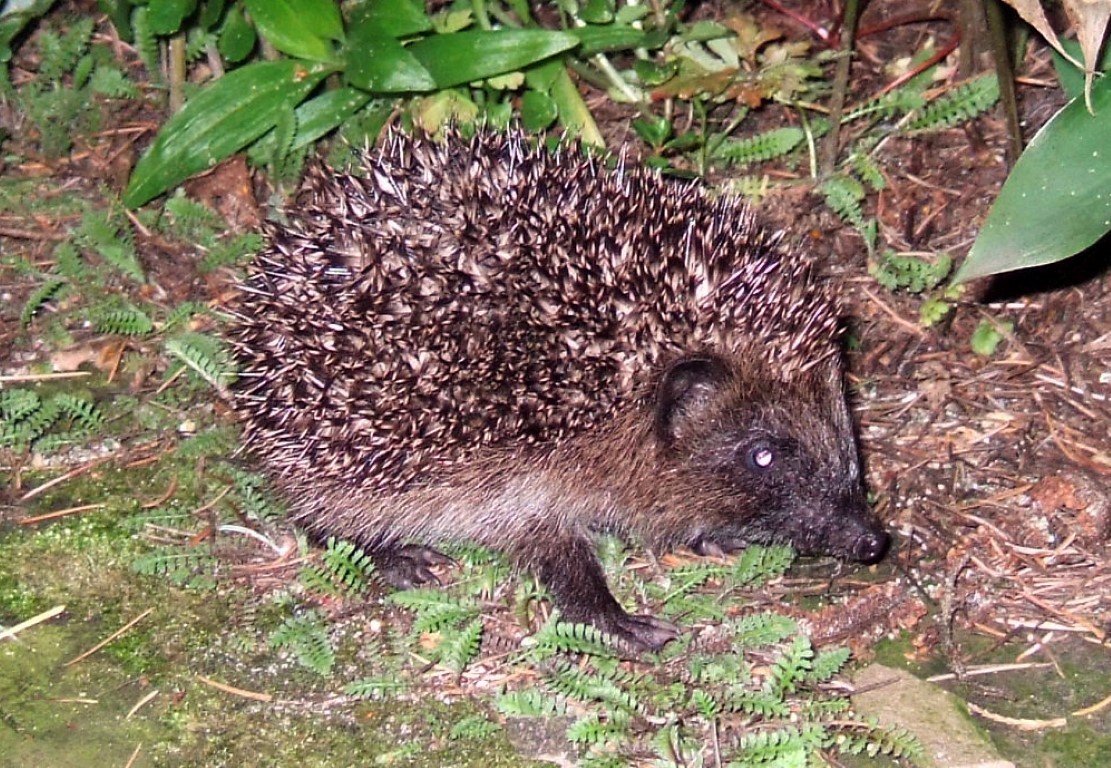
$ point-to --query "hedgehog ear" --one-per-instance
(685, 392)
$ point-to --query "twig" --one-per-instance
(235, 691)
(111, 637)
(59, 513)
(13, 631)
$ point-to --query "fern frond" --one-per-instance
(38, 299)
(964, 103)
(68, 263)
(792, 666)
(869, 738)
(557, 636)
(592, 685)
(191, 220)
(374, 687)
(788, 746)
(592, 730)
(109, 81)
(473, 727)
(460, 647)
(766, 705)
(81, 411)
(889, 106)
(206, 356)
(345, 567)
(911, 272)
(182, 314)
(18, 404)
(868, 170)
(61, 52)
(306, 638)
(530, 703)
(759, 148)
(758, 565)
(231, 250)
(123, 321)
(761, 629)
(180, 567)
(146, 43)
(115, 244)
(844, 195)
(827, 664)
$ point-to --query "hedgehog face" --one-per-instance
(764, 472)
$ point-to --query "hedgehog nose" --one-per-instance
(871, 547)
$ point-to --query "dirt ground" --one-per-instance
(991, 472)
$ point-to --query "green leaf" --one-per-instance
(538, 111)
(237, 37)
(321, 114)
(1069, 75)
(210, 14)
(1057, 200)
(301, 28)
(463, 57)
(377, 62)
(988, 334)
(166, 15)
(13, 20)
(223, 118)
(392, 18)
(611, 37)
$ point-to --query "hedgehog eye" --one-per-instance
(760, 457)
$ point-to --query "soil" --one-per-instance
(991, 471)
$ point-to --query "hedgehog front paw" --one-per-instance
(718, 546)
(642, 632)
(408, 566)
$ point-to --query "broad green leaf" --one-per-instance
(393, 18)
(300, 28)
(211, 12)
(377, 62)
(14, 18)
(612, 37)
(1069, 75)
(237, 37)
(1057, 200)
(221, 119)
(319, 115)
(463, 57)
(538, 111)
(551, 77)
(165, 16)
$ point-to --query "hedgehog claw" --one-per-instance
(409, 566)
(642, 632)
(718, 547)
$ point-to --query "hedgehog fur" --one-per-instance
(476, 339)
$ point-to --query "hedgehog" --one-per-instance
(478, 339)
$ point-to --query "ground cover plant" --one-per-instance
(129, 520)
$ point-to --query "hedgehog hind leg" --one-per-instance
(407, 566)
(569, 568)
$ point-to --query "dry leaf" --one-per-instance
(1090, 18)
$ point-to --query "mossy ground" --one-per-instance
(1078, 679)
(60, 714)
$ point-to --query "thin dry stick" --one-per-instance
(45, 615)
(111, 637)
(140, 703)
(59, 513)
(236, 691)
(62, 478)
(22, 377)
(1093, 709)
